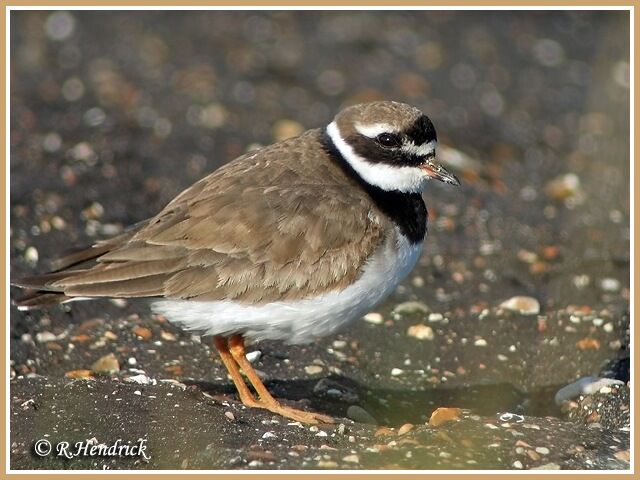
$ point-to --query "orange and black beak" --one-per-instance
(438, 172)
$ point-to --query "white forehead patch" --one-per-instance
(387, 177)
(374, 130)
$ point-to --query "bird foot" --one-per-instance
(290, 412)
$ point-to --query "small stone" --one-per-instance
(610, 285)
(435, 317)
(119, 302)
(31, 255)
(322, 433)
(107, 364)
(608, 327)
(444, 414)
(597, 322)
(143, 332)
(254, 356)
(396, 372)
(517, 464)
(339, 344)
(547, 466)
(266, 435)
(351, 459)
(624, 455)
(45, 337)
(360, 415)
(330, 464)
(137, 392)
(141, 378)
(313, 369)
(588, 343)
(75, 374)
(564, 187)
(481, 342)
(421, 332)
(230, 415)
(410, 307)
(374, 317)
(542, 450)
(406, 428)
(522, 305)
(168, 336)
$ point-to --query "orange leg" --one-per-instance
(246, 396)
(266, 401)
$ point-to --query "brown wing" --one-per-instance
(251, 231)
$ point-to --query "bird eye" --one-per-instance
(388, 140)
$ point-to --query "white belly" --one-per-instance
(301, 321)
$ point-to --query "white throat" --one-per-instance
(386, 177)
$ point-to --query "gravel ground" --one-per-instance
(112, 114)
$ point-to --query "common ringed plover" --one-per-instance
(289, 242)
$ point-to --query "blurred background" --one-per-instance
(114, 113)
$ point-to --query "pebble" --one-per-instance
(406, 428)
(584, 386)
(547, 466)
(266, 435)
(230, 415)
(542, 450)
(107, 364)
(517, 464)
(435, 317)
(410, 307)
(360, 415)
(168, 336)
(339, 344)
(44, 337)
(322, 433)
(563, 187)
(420, 332)
(254, 356)
(142, 379)
(31, 255)
(608, 327)
(313, 369)
(374, 317)
(522, 305)
(610, 284)
(396, 371)
(481, 342)
(351, 459)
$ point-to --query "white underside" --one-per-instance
(301, 321)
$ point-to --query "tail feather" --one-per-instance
(44, 281)
(39, 299)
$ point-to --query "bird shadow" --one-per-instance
(337, 395)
